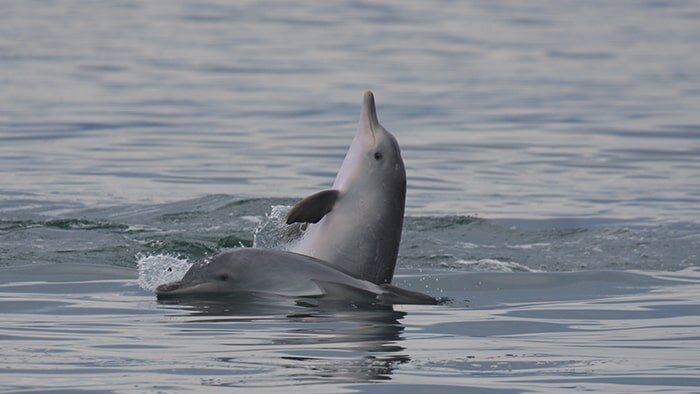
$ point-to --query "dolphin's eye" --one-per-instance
(378, 155)
(223, 277)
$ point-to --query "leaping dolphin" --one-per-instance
(356, 226)
(282, 273)
(351, 239)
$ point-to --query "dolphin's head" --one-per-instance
(202, 277)
(374, 158)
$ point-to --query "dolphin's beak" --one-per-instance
(185, 287)
(368, 118)
(168, 288)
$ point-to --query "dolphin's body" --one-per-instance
(357, 225)
(288, 274)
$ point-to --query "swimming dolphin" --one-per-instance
(356, 226)
(268, 271)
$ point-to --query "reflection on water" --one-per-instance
(538, 332)
(323, 340)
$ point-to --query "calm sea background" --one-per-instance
(552, 150)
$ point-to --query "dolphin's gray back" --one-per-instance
(278, 262)
(291, 274)
(284, 273)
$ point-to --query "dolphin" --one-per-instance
(356, 226)
(282, 273)
(350, 238)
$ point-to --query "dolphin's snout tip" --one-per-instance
(168, 287)
(368, 100)
(369, 111)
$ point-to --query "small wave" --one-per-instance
(493, 265)
(140, 228)
(62, 224)
(470, 245)
(154, 270)
(529, 246)
(83, 224)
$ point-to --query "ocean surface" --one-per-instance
(553, 158)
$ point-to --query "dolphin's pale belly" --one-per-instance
(339, 240)
(357, 238)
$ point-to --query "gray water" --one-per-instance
(553, 161)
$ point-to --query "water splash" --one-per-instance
(273, 231)
(155, 270)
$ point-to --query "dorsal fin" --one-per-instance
(314, 207)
